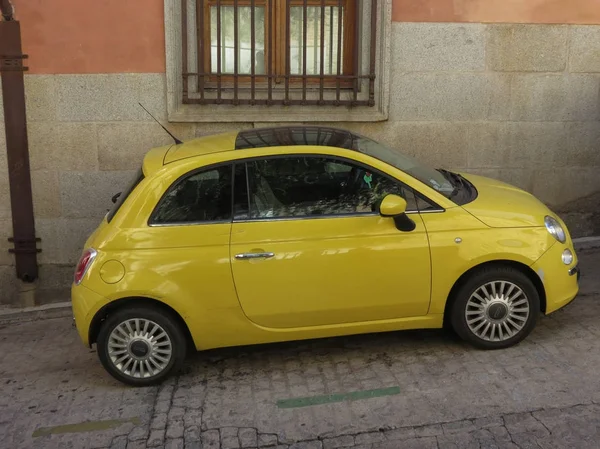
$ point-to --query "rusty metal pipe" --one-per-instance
(17, 151)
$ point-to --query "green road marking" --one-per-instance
(86, 426)
(329, 398)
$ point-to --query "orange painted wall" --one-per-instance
(509, 11)
(116, 36)
(92, 36)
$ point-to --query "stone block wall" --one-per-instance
(516, 102)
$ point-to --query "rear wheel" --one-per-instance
(141, 345)
(496, 308)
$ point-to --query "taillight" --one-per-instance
(86, 260)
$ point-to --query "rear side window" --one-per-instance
(122, 196)
(202, 196)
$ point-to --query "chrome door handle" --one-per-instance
(254, 255)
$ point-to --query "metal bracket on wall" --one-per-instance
(24, 246)
(13, 63)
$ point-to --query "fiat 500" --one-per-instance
(293, 233)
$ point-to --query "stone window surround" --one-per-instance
(179, 112)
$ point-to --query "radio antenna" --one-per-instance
(177, 141)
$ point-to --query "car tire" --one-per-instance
(497, 307)
(141, 345)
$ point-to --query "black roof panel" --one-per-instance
(295, 135)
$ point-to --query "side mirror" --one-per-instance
(392, 206)
(395, 206)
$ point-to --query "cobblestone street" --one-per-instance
(429, 391)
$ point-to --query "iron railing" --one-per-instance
(342, 74)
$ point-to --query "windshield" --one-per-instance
(427, 175)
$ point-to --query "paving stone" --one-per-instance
(413, 443)
(192, 418)
(176, 413)
(404, 433)
(119, 442)
(248, 437)
(211, 439)
(369, 438)
(266, 440)
(138, 433)
(524, 422)
(136, 445)
(175, 429)
(307, 445)
(174, 444)
(429, 431)
(229, 438)
(342, 441)
(156, 438)
(457, 441)
(483, 423)
(162, 406)
(458, 426)
(191, 434)
(159, 421)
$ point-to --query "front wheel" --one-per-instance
(141, 345)
(496, 308)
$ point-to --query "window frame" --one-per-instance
(416, 193)
(151, 219)
(179, 16)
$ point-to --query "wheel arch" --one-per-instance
(137, 301)
(523, 268)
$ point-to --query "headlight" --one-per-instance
(555, 229)
(567, 257)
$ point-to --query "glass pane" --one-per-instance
(204, 196)
(314, 186)
(244, 43)
(313, 40)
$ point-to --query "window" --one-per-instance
(302, 186)
(200, 197)
(264, 52)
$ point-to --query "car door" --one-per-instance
(311, 249)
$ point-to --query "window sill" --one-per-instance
(279, 114)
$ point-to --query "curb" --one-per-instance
(47, 311)
(585, 243)
(63, 309)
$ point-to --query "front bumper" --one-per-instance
(560, 281)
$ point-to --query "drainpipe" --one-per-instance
(15, 123)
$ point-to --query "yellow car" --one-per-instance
(294, 233)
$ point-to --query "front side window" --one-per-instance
(309, 186)
(204, 196)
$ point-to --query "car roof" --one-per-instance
(262, 138)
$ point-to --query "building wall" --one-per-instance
(519, 102)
